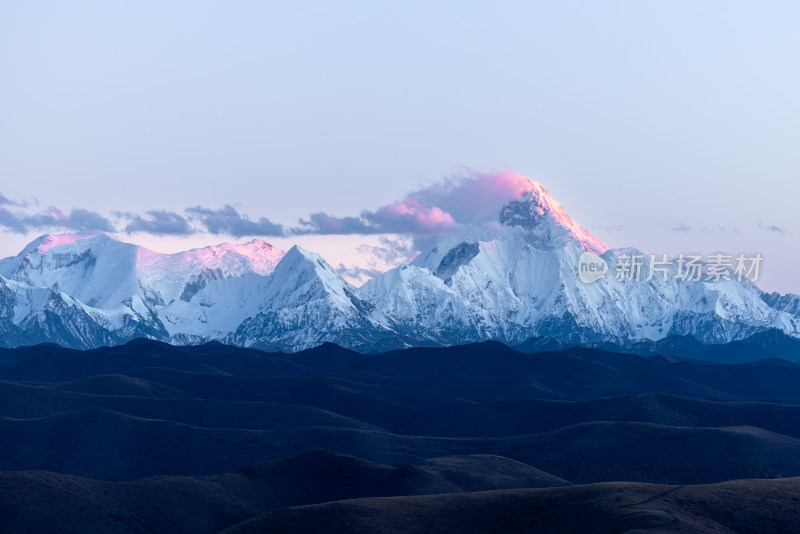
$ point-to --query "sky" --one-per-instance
(668, 126)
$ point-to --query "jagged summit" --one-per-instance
(547, 221)
(299, 254)
(534, 219)
(300, 268)
(305, 302)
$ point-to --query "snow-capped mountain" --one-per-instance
(30, 315)
(513, 275)
(510, 275)
(128, 291)
(305, 303)
(102, 272)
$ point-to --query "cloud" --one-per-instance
(410, 217)
(78, 220)
(440, 208)
(83, 220)
(426, 212)
(771, 228)
(473, 193)
(5, 201)
(322, 223)
(13, 222)
(379, 258)
(776, 229)
(229, 221)
(155, 222)
(404, 217)
(390, 251)
(159, 222)
(357, 273)
(681, 228)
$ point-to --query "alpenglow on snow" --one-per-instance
(510, 275)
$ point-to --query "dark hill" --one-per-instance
(744, 506)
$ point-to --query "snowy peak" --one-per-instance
(534, 220)
(96, 270)
(547, 223)
(303, 275)
(306, 302)
(103, 272)
(44, 243)
(299, 257)
(63, 244)
(298, 260)
(257, 257)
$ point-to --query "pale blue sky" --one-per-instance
(669, 126)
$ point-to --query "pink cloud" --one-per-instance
(469, 195)
(410, 216)
(439, 208)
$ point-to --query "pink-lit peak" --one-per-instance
(542, 204)
(257, 255)
(50, 241)
(589, 241)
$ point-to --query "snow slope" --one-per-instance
(510, 275)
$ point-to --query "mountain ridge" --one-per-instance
(510, 275)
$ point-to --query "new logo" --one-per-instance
(591, 268)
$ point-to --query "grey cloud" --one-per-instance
(405, 217)
(156, 222)
(440, 208)
(770, 228)
(86, 221)
(229, 221)
(5, 201)
(322, 223)
(79, 220)
(159, 222)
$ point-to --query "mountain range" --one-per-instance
(511, 275)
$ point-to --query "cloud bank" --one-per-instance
(436, 209)
(439, 208)
(78, 220)
(228, 221)
(160, 223)
(466, 196)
